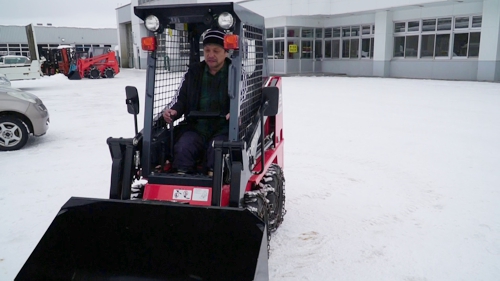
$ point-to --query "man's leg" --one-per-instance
(187, 150)
(211, 151)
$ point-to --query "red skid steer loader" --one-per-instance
(161, 225)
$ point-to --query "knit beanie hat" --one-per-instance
(214, 36)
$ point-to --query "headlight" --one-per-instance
(226, 20)
(152, 23)
(42, 107)
(23, 96)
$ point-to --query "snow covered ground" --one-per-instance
(386, 179)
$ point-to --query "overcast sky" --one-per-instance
(88, 13)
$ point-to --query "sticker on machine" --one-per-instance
(182, 194)
(200, 194)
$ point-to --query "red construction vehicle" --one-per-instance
(161, 225)
(99, 63)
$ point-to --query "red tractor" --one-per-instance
(162, 225)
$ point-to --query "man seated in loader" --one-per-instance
(205, 89)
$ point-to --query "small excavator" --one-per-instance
(161, 225)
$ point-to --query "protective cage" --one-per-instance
(178, 45)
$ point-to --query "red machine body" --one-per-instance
(202, 196)
(105, 65)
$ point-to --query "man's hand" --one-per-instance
(167, 115)
(227, 116)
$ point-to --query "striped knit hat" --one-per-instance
(214, 36)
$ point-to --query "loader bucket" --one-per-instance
(98, 239)
(74, 75)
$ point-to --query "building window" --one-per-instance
(367, 41)
(461, 22)
(357, 42)
(306, 52)
(279, 32)
(466, 44)
(279, 49)
(367, 47)
(328, 49)
(293, 32)
(328, 33)
(477, 21)
(336, 32)
(336, 49)
(444, 24)
(349, 42)
(432, 38)
(270, 49)
(307, 32)
(399, 46)
(366, 30)
(411, 47)
(442, 45)
(346, 45)
(275, 47)
(427, 48)
(318, 49)
(319, 33)
(269, 33)
(429, 25)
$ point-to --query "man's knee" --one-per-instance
(189, 141)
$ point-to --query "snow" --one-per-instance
(386, 179)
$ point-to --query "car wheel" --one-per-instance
(13, 133)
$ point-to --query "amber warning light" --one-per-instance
(148, 43)
(231, 42)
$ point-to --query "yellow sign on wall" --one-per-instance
(292, 48)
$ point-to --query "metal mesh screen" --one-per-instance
(173, 58)
(251, 88)
(171, 65)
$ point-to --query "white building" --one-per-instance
(436, 39)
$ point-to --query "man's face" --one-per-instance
(214, 56)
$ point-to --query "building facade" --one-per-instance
(430, 39)
(13, 40)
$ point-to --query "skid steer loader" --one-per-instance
(161, 225)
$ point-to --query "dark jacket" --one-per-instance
(189, 93)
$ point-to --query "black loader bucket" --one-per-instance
(74, 75)
(97, 239)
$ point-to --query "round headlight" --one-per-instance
(226, 20)
(152, 23)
